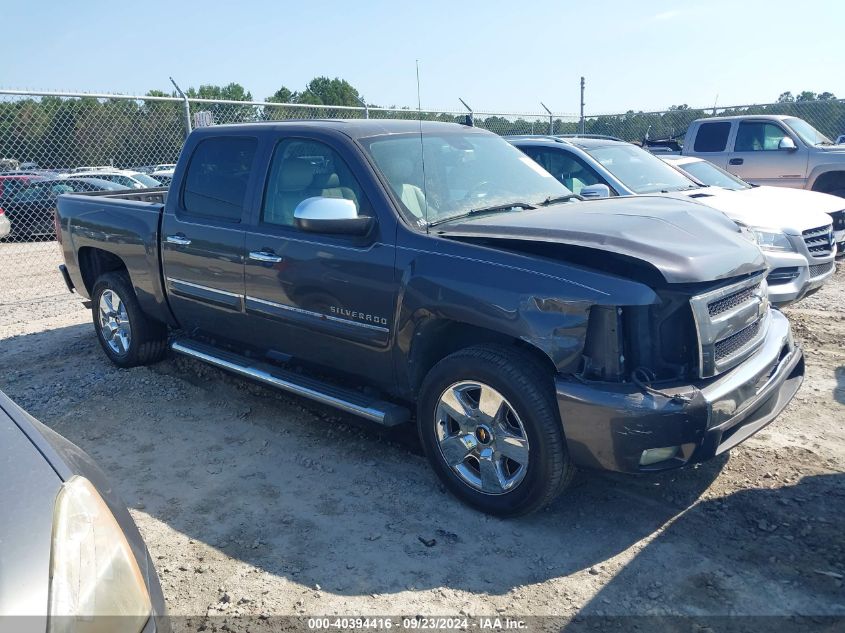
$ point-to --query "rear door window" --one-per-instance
(569, 170)
(216, 180)
(712, 137)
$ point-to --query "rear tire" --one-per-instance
(489, 424)
(127, 335)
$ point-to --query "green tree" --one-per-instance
(786, 97)
(224, 112)
(325, 91)
(283, 95)
(806, 95)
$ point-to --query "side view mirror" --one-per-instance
(788, 144)
(331, 215)
(595, 191)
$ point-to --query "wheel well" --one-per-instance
(93, 262)
(830, 181)
(437, 340)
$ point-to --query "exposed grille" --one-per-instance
(735, 342)
(820, 269)
(732, 300)
(819, 241)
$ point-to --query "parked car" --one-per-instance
(777, 150)
(71, 557)
(164, 176)
(31, 209)
(128, 179)
(9, 185)
(12, 183)
(840, 139)
(5, 225)
(533, 333)
(778, 197)
(797, 241)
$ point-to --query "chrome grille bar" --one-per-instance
(731, 323)
(819, 240)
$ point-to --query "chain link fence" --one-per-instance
(52, 143)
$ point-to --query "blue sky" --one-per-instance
(645, 54)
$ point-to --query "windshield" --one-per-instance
(639, 170)
(145, 180)
(807, 133)
(713, 176)
(463, 172)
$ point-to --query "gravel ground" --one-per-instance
(255, 503)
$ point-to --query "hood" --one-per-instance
(684, 241)
(782, 208)
(26, 525)
(832, 149)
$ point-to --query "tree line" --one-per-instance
(66, 132)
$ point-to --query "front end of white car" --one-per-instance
(799, 261)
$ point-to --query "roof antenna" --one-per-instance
(422, 149)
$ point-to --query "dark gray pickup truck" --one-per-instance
(395, 270)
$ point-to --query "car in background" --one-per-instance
(31, 209)
(129, 179)
(840, 139)
(709, 174)
(798, 243)
(778, 150)
(72, 558)
(164, 176)
(9, 185)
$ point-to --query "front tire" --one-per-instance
(127, 335)
(489, 425)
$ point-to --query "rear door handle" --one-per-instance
(735, 161)
(178, 239)
(265, 256)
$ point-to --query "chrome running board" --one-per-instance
(349, 400)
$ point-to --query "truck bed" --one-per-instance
(100, 228)
(154, 194)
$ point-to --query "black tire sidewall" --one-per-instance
(530, 405)
(120, 285)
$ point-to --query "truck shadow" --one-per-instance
(764, 551)
(245, 474)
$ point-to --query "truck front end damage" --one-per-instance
(680, 381)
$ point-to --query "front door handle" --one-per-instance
(265, 256)
(735, 161)
(178, 239)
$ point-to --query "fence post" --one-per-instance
(186, 106)
(551, 119)
(471, 114)
(582, 124)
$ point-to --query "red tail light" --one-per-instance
(2, 212)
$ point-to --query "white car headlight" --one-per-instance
(94, 577)
(771, 240)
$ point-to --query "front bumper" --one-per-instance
(808, 276)
(608, 425)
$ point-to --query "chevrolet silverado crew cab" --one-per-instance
(395, 269)
(778, 150)
(795, 236)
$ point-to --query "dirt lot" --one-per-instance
(252, 502)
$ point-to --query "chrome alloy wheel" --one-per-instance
(481, 437)
(114, 322)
